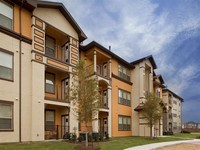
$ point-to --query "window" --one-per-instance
(50, 83)
(6, 116)
(124, 72)
(50, 46)
(124, 123)
(124, 97)
(175, 102)
(6, 66)
(6, 15)
(49, 120)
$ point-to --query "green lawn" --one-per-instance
(115, 143)
(38, 146)
(186, 135)
(125, 142)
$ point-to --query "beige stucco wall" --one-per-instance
(9, 91)
(140, 126)
(55, 18)
(38, 73)
(26, 91)
(176, 110)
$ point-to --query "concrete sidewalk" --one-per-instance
(162, 144)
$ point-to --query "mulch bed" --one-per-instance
(91, 146)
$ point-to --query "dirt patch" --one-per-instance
(182, 146)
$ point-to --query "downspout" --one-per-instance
(20, 71)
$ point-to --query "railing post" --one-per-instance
(57, 131)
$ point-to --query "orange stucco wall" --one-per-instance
(119, 109)
(26, 21)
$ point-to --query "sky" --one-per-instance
(167, 29)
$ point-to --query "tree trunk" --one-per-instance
(151, 131)
(86, 136)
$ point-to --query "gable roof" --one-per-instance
(95, 44)
(160, 78)
(150, 58)
(66, 14)
(174, 94)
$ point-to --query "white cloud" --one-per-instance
(134, 29)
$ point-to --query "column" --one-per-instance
(95, 62)
(110, 111)
(110, 66)
(73, 122)
(151, 81)
(95, 122)
(141, 83)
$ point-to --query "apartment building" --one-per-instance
(172, 117)
(39, 50)
(144, 82)
(115, 85)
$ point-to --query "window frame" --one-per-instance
(125, 73)
(9, 4)
(54, 127)
(54, 82)
(124, 126)
(12, 54)
(12, 120)
(122, 100)
(50, 48)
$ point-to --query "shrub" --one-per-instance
(168, 133)
(107, 136)
(67, 135)
(95, 136)
(101, 136)
(74, 137)
(89, 137)
(80, 138)
(185, 131)
(198, 137)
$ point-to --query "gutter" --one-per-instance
(20, 72)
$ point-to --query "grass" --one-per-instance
(118, 143)
(186, 135)
(38, 146)
(121, 143)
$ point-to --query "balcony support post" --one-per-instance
(95, 62)
(110, 111)
(110, 67)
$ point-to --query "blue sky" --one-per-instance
(167, 29)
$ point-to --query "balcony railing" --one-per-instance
(55, 131)
(105, 73)
(58, 54)
(104, 102)
(57, 92)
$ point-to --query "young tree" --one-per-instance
(84, 95)
(152, 110)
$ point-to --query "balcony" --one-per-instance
(57, 93)
(104, 102)
(56, 45)
(56, 85)
(101, 70)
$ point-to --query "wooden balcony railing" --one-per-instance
(57, 92)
